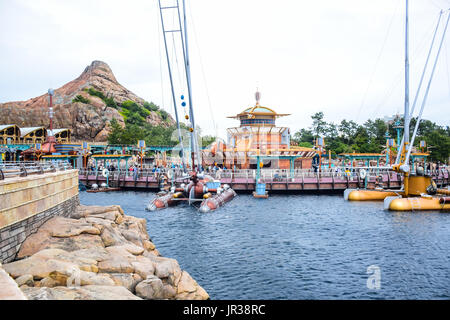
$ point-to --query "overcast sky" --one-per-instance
(342, 57)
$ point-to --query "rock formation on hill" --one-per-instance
(88, 120)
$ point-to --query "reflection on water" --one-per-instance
(299, 246)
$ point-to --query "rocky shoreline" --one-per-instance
(98, 253)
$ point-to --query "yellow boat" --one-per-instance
(418, 192)
(369, 195)
(424, 202)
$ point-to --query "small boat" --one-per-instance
(194, 187)
(261, 192)
(102, 190)
(260, 196)
(201, 188)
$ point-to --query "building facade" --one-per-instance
(258, 135)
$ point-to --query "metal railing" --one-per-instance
(9, 169)
(266, 174)
(246, 176)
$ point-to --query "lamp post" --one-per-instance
(51, 92)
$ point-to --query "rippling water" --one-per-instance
(299, 246)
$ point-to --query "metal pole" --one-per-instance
(419, 87)
(427, 90)
(406, 128)
(184, 41)
(171, 84)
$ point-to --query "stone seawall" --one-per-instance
(28, 202)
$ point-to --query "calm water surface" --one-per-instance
(299, 246)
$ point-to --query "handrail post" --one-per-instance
(23, 171)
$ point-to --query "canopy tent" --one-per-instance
(33, 135)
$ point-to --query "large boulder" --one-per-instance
(65, 227)
(97, 249)
(188, 289)
(9, 290)
(151, 288)
(127, 280)
(91, 292)
(42, 240)
(115, 265)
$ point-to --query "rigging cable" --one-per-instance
(203, 71)
(446, 63)
(377, 61)
(160, 58)
(427, 89)
(174, 54)
(420, 85)
(417, 52)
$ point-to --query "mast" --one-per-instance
(407, 117)
(419, 117)
(194, 144)
(405, 141)
(171, 83)
(419, 87)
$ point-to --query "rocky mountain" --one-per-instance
(85, 105)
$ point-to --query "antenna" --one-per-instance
(51, 92)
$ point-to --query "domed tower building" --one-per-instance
(259, 135)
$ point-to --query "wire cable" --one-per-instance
(160, 57)
(203, 71)
(377, 61)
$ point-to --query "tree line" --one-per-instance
(349, 136)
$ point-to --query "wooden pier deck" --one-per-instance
(245, 180)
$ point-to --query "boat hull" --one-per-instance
(368, 195)
(417, 204)
(260, 196)
(217, 200)
(162, 202)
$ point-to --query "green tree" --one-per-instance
(115, 136)
(318, 124)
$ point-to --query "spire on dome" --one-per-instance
(257, 96)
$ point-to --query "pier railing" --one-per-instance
(250, 174)
(24, 168)
(280, 179)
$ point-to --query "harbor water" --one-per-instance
(300, 246)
